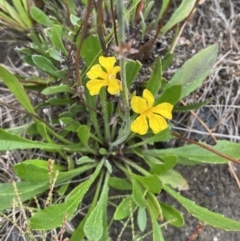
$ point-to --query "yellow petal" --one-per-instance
(148, 96)
(115, 70)
(96, 72)
(157, 123)
(107, 63)
(95, 85)
(164, 109)
(140, 125)
(114, 86)
(138, 104)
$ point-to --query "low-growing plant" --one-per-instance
(103, 124)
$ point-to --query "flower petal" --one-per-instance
(157, 123)
(97, 72)
(95, 85)
(115, 70)
(140, 125)
(114, 86)
(107, 63)
(138, 104)
(148, 96)
(164, 109)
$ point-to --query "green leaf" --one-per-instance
(160, 168)
(132, 70)
(58, 101)
(39, 16)
(78, 233)
(34, 170)
(190, 107)
(91, 50)
(138, 194)
(45, 64)
(154, 83)
(195, 71)
(175, 179)
(172, 215)
(83, 134)
(55, 214)
(203, 214)
(179, 15)
(56, 38)
(167, 60)
(151, 183)
(17, 89)
(84, 160)
(23, 14)
(124, 209)
(12, 142)
(155, 206)
(198, 154)
(94, 226)
(26, 191)
(156, 229)
(119, 183)
(171, 95)
(51, 90)
(142, 219)
(161, 136)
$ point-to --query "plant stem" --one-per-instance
(105, 114)
(121, 39)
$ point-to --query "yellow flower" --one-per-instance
(155, 114)
(105, 76)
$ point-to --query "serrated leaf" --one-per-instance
(45, 64)
(172, 215)
(39, 16)
(119, 183)
(175, 179)
(51, 90)
(154, 83)
(132, 70)
(142, 219)
(171, 95)
(203, 214)
(179, 15)
(16, 88)
(124, 209)
(195, 70)
(198, 154)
